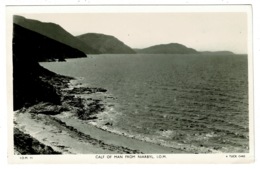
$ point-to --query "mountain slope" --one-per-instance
(27, 86)
(105, 43)
(172, 48)
(53, 31)
(41, 48)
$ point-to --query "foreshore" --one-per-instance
(65, 128)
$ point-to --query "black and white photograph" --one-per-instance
(148, 84)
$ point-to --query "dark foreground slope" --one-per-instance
(53, 31)
(28, 48)
(105, 44)
(172, 48)
(25, 144)
(38, 91)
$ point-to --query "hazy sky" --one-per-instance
(201, 31)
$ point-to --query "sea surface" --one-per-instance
(197, 103)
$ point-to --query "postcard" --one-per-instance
(130, 84)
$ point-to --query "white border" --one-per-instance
(256, 52)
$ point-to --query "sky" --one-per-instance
(201, 31)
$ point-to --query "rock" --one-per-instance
(46, 108)
(68, 97)
(101, 90)
(25, 144)
(92, 118)
(109, 124)
(62, 60)
(85, 90)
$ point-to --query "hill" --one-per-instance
(105, 44)
(38, 47)
(53, 31)
(172, 48)
(28, 48)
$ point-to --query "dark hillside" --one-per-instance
(53, 31)
(29, 48)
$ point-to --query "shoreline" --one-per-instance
(66, 129)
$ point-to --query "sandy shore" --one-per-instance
(68, 136)
(65, 128)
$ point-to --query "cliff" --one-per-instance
(28, 48)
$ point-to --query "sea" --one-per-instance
(192, 102)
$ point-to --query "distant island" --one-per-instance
(171, 48)
(176, 48)
(105, 44)
(216, 53)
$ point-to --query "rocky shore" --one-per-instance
(70, 102)
(48, 128)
